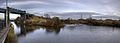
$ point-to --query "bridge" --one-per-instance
(12, 10)
(15, 11)
(4, 30)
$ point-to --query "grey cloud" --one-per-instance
(102, 6)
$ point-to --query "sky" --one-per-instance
(106, 7)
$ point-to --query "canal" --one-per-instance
(77, 33)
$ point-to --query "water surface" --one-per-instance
(68, 34)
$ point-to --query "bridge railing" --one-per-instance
(3, 31)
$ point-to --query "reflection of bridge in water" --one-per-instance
(4, 30)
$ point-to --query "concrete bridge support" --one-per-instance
(23, 17)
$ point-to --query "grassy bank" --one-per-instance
(107, 22)
(42, 21)
(11, 38)
(56, 22)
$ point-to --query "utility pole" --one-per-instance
(81, 16)
(90, 16)
(7, 14)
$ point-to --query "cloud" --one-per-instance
(102, 6)
(27, 2)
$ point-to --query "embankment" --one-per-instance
(42, 21)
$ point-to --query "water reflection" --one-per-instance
(27, 29)
(55, 30)
(68, 34)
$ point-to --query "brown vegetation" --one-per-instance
(36, 20)
(107, 22)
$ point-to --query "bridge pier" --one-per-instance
(23, 17)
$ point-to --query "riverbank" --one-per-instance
(11, 37)
(107, 22)
(56, 22)
(41, 21)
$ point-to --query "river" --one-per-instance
(76, 33)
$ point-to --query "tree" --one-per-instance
(56, 18)
(47, 16)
